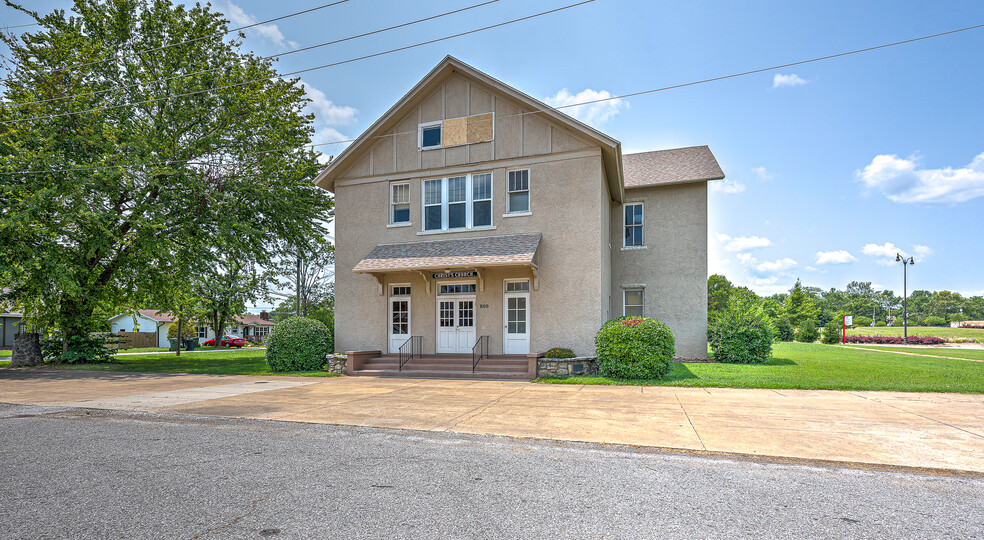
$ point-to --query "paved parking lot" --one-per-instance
(940, 431)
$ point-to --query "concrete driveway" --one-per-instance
(936, 431)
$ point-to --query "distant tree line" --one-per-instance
(805, 306)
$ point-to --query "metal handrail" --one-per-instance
(410, 348)
(482, 345)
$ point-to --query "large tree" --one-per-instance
(133, 135)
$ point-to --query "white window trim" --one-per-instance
(642, 225)
(408, 298)
(505, 287)
(420, 134)
(392, 205)
(517, 214)
(643, 306)
(529, 193)
(469, 204)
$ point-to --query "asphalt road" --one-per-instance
(72, 473)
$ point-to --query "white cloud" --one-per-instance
(746, 258)
(810, 268)
(834, 257)
(727, 186)
(742, 243)
(787, 80)
(922, 250)
(325, 110)
(593, 114)
(761, 282)
(884, 252)
(778, 265)
(901, 180)
(239, 18)
(762, 173)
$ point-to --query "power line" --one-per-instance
(212, 70)
(208, 90)
(169, 45)
(621, 96)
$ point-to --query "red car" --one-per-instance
(227, 341)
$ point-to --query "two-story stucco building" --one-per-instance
(471, 209)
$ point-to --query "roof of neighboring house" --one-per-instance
(678, 165)
(165, 317)
(465, 252)
(3, 306)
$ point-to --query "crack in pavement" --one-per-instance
(682, 408)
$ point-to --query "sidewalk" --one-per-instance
(939, 431)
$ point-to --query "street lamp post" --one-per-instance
(905, 308)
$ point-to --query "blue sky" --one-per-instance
(832, 167)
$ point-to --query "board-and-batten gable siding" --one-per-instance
(516, 134)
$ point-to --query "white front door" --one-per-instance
(516, 316)
(399, 317)
(455, 324)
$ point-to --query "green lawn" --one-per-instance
(827, 367)
(4, 353)
(938, 331)
(143, 349)
(970, 354)
(235, 362)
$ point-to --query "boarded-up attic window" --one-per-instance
(458, 131)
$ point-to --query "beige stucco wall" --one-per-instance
(566, 208)
(673, 265)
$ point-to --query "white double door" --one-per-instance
(455, 324)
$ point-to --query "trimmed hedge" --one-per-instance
(559, 352)
(634, 348)
(896, 340)
(298, 344)
(741, 333)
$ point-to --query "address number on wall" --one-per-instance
(483, 306)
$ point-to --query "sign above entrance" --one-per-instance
(454, 275)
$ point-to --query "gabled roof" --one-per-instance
(514, 250)
(165, 317)
(679, 165)
(611, 148)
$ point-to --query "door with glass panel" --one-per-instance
(456, 321)
(399, 317)
(516, 317)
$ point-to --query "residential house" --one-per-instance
(471, 209)
(152, 320)
(11, 323)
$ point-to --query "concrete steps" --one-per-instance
(500, 367)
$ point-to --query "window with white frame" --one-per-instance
(633, 225)
(202, 331)
(429, 135)
(458, 202)
(517, 286)
(518, 199)
(633, 302)
(400, 203)
(262, 330)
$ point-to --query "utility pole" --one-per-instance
(905, 308)
(180, 335)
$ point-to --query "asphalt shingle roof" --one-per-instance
(165, 317)
(692, 164)
(465, 252)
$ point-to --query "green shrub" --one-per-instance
(861, 320)
(879, 324)
(634, 348)
(186, 329)
(933, 320)
(298, 344)
(831, 332)
(808, 331)
(784, 330)
(741, 333)
(559, 352)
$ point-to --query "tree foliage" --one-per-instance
(298, 344)
(634, 348)
(165, 159)
(741, 333)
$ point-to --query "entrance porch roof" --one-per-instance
(482, 252)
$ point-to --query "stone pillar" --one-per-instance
(27, 350)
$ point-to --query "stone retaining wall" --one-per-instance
(336, 363)
(565, 367)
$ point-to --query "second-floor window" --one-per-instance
(633, 225)
(400, 203)
(519, 191)
(458, 202)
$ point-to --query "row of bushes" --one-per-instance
(896, 340)
(977, 326)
